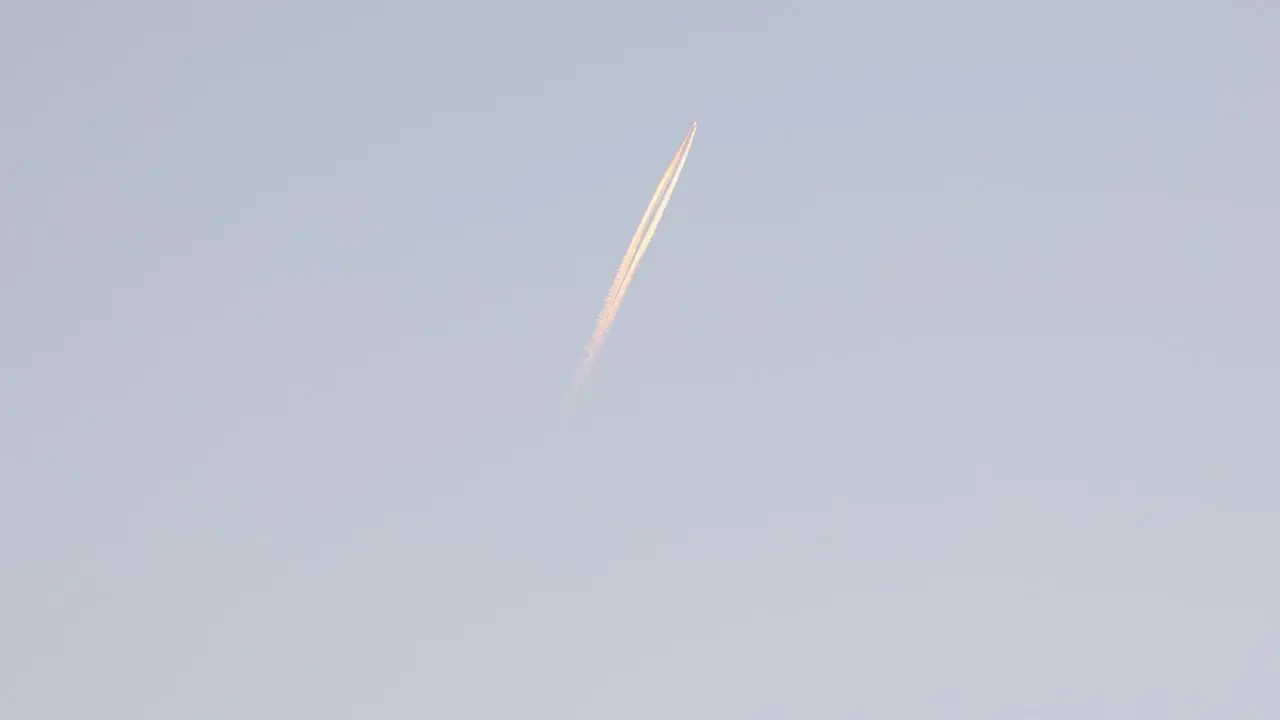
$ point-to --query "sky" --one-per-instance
(947, 388)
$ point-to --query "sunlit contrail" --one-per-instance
(635, 251)
(651, 229)
(629, 258)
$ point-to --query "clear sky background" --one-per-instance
(948, 388)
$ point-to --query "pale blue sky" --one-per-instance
(947, 389)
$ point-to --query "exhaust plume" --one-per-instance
(635, 252)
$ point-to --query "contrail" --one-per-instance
(640, 242)
(628, 259)
(653, 227)
(635, 251)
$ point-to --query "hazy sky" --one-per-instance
(948, 388)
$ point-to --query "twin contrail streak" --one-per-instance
(635, 252)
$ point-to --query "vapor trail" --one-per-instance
(614, 295)
(635, 251)
(651, 229)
